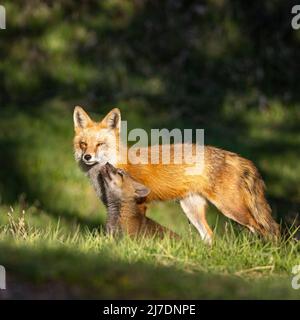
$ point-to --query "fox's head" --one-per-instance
(96, 142)
(121, 186)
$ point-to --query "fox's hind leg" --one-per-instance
(194, 206)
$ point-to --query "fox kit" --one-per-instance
(123, 196)
(227, 180)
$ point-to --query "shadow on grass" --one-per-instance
(49, 272)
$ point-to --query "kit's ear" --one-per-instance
(113, 119)
(140, 190)
(81, 118)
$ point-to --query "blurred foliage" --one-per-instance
(181, 56)
(231, 67)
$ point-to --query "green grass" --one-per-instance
(92, 265)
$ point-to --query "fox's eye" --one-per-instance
(120, 173)
(99, 144)
(82, 144)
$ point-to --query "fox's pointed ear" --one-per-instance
(141, 191)
(113, 119)
(81, 118)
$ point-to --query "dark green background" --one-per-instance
(230, 67)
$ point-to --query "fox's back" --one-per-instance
(175, 181)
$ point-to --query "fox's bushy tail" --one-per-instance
(257, 204)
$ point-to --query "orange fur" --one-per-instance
(227, 180)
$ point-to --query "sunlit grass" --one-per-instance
(236, 262)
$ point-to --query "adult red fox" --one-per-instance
(227, 180)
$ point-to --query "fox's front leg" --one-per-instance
(112, 206)
(112, 226)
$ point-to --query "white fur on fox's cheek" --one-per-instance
(103, 157)
(78, 155)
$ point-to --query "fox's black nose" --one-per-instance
(87, 157)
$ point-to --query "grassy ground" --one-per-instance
(224, 66)
(49, 261)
